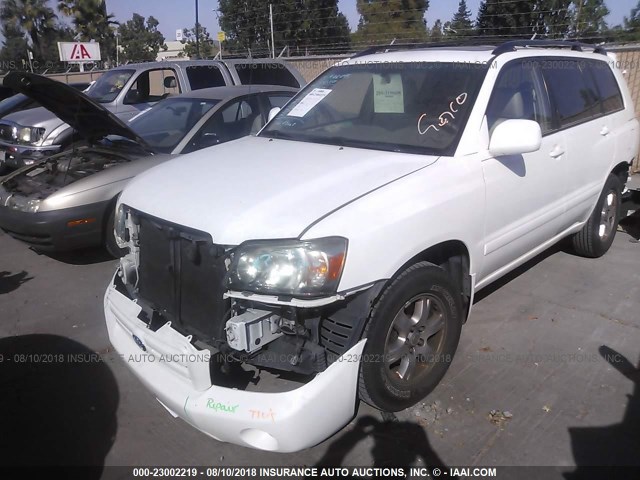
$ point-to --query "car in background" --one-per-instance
(67, 201)
(28, 136)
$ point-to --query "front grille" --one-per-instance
(181, 276)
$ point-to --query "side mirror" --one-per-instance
(131, 97)
(515, 137)
(272, 113)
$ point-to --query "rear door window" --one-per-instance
(265, 73)
(607, 87)
(572, 90)
(205, 76)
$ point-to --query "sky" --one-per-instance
(179, 14)
(176, 14)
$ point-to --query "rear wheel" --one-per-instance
(598, 233)
(412, 336)
(110, 239)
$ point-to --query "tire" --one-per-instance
(598, 233)
(406, 353)
(109, 238)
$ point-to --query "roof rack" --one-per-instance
(411, 46)
(489, 41)
(512, 45)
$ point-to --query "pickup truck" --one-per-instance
(30, 135)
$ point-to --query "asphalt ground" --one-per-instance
(546, 374)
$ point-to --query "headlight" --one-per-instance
(120, 227)
(33, 205)
(24, 205)
(289, 267)
(27, 135)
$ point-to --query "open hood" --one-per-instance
(89, 119)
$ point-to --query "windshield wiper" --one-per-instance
(278, 134)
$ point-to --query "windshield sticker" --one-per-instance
(314, 97)
(442, 119)
(388, 96)
(334, 78)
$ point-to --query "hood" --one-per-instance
(89, 119)
(34, 117)
(16, 103)
(259, 188)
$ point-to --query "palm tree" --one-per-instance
(33, 17)
(91, 21)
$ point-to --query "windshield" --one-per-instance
(164, 125)
(109, 85)
(406, 107)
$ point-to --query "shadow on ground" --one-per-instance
(58, 401)
(631, 225)
(10, 282)
(87, 256)
(617, 444)
(395, 444)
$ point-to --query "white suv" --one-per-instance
(346, 241)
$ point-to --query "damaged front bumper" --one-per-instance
(178, 374)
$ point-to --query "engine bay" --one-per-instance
(49, 176)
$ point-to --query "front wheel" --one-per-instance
(598, 233)
(412, 336)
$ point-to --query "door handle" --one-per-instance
(557, 151)
(605, 131)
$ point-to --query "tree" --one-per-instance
(140, 41)
(322, 28)
(629, 31)
(553, 18)
(14, 48)
(590, 21)
(33, 18)
(245, 23)
(461, 25)
(383, 20)
(435, 33)
(92, 22)
(301, 25)
(207, 49)
(506, 18)
(61, 33)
